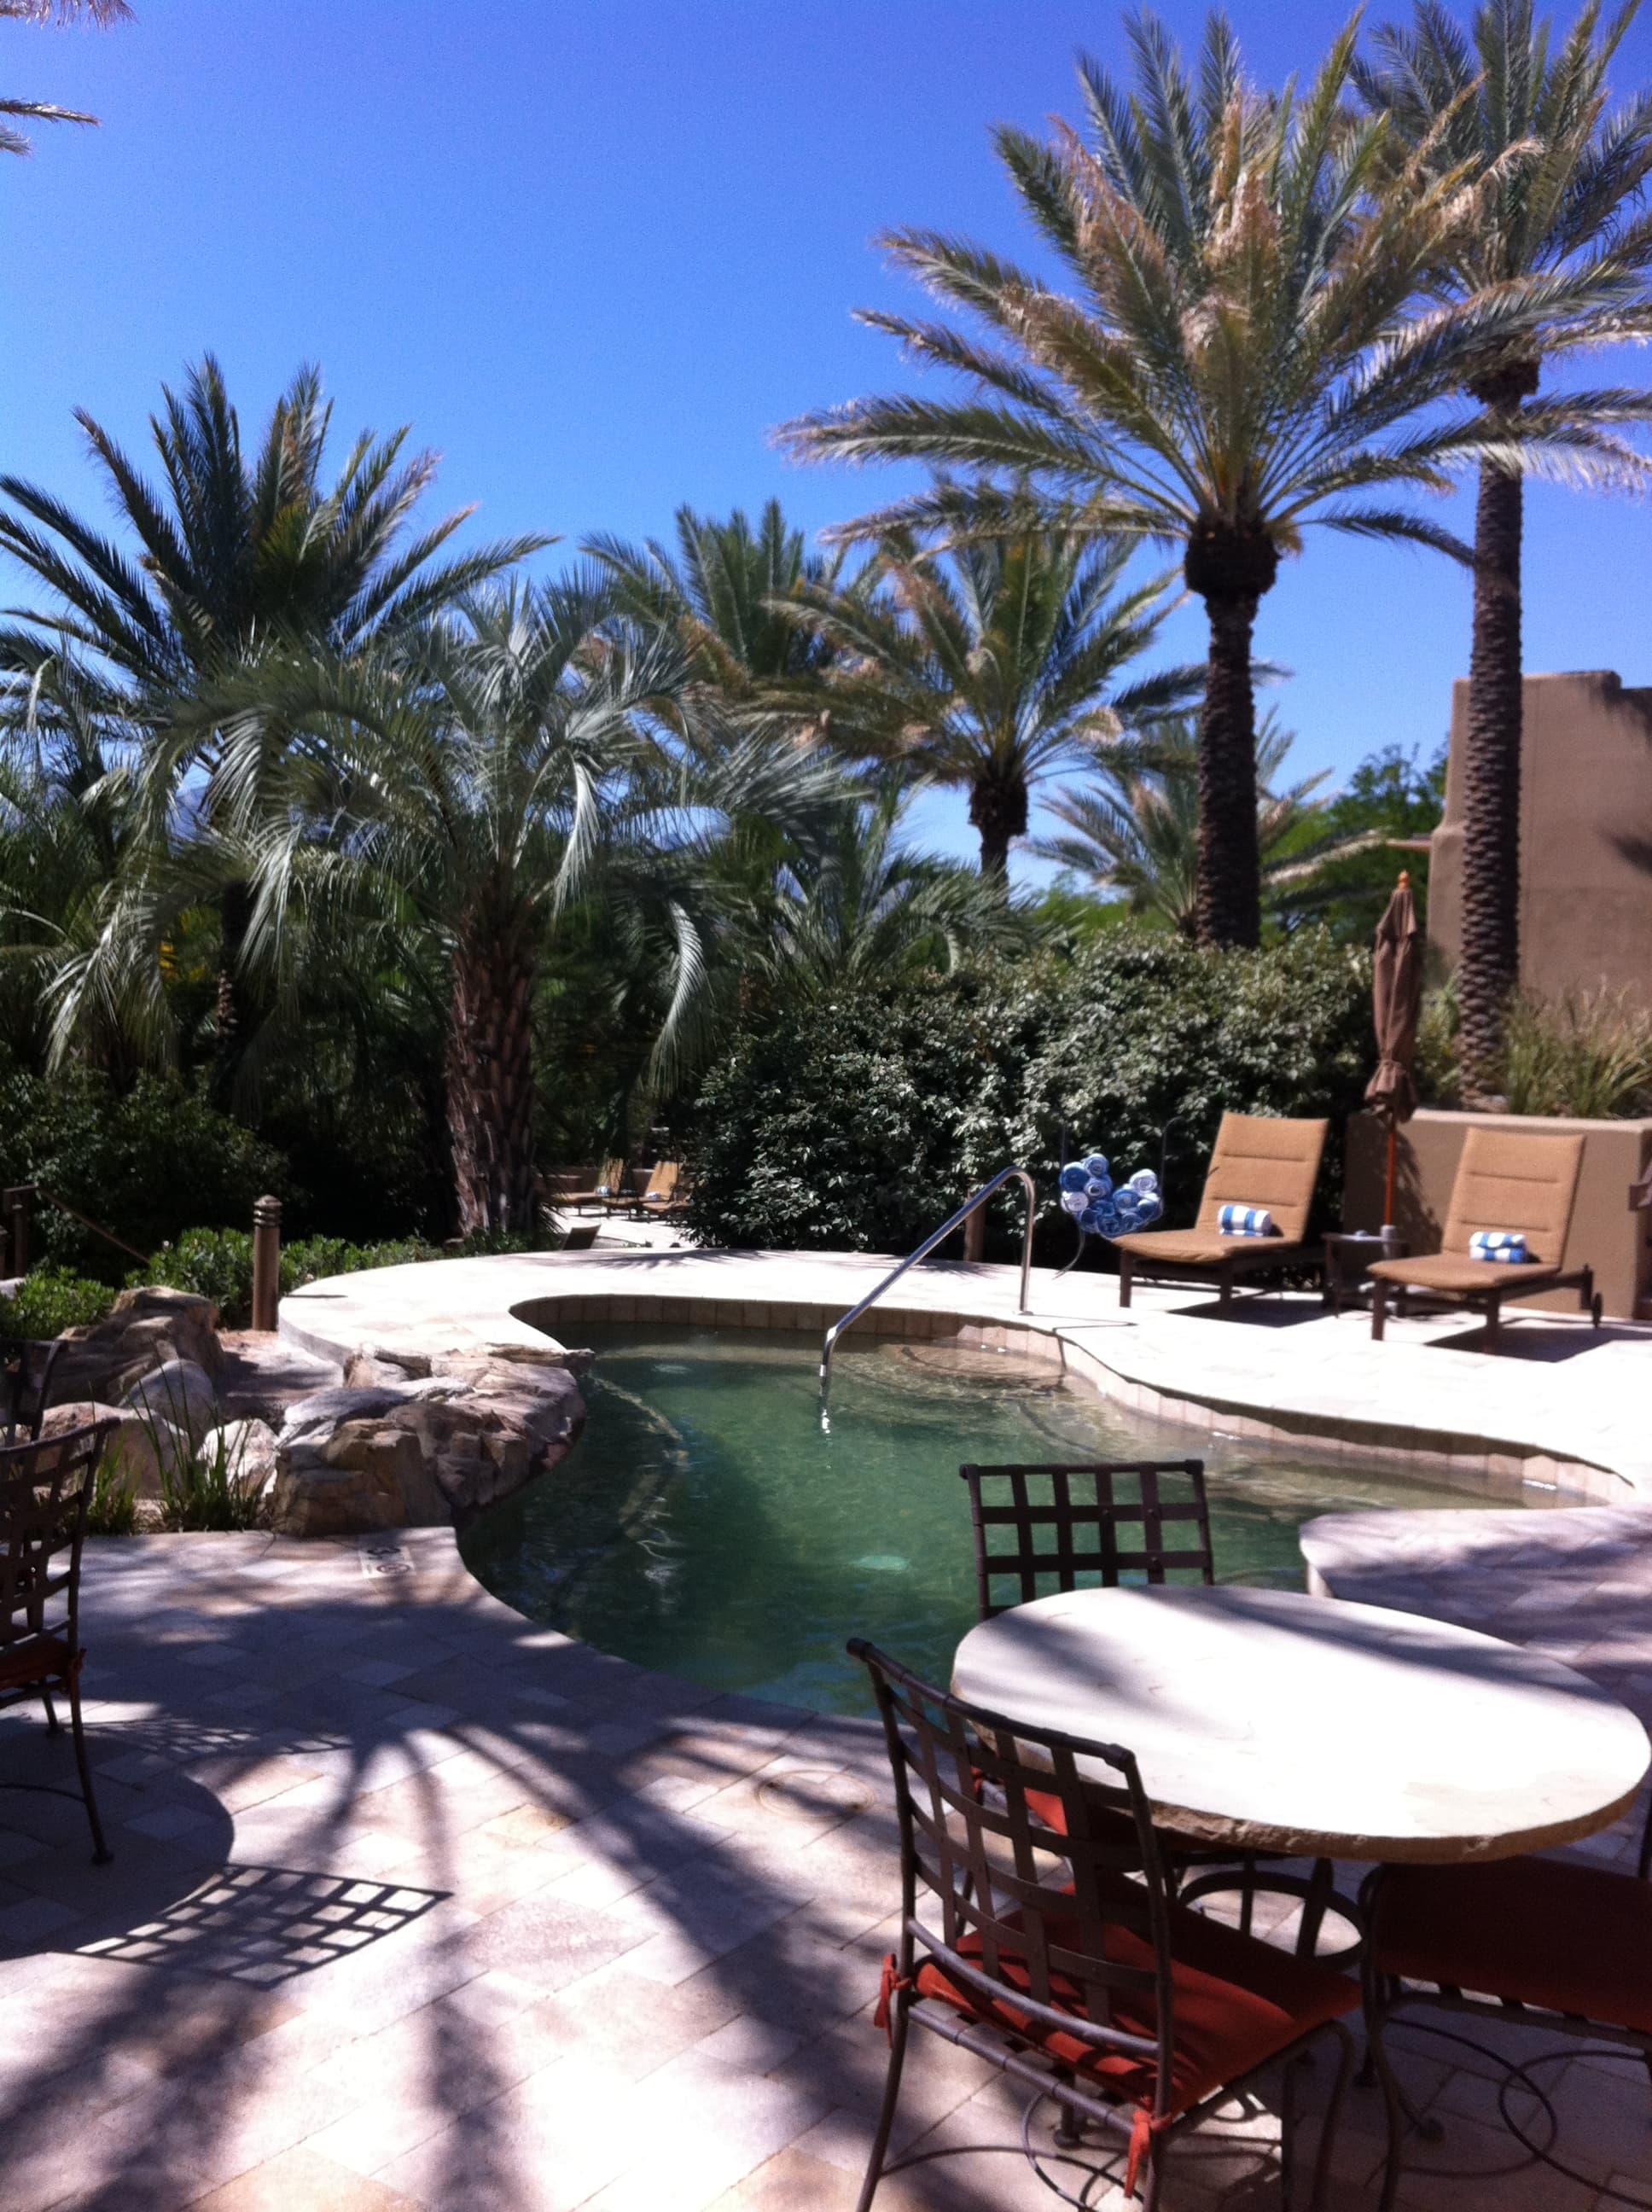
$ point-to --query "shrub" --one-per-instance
(143, 1162)
(49, 1300)
(217, 1264)
(862, 1123)
(112, 1509)
(202, 1490)
(1586, 1055)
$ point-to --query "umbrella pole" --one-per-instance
(1388, 1194)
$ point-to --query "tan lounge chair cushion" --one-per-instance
(1448, 1274)
(1260, 1159)
(1198, 1248)
(1508, 1179)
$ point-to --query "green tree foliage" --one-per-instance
(1372, 828)
(858, 1121)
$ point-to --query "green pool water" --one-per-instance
(704, 1525)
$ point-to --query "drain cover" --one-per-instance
(384, 1559)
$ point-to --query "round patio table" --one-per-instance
(1268, 1721)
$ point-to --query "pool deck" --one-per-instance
(1562, 1405)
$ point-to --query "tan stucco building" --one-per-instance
(1585, 837)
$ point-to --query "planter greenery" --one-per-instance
(49, 1300)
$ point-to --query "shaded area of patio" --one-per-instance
(416, 1905)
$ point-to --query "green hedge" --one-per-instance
(49, 1300)
(217, 1264)
(860, 1124)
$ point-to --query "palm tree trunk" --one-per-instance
(1489, 964)
(997, 809)
(231, 1019)
(490, 1074)
(1229, 911)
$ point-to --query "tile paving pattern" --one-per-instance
(416, 1905)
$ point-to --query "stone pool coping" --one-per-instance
(1569, 1416)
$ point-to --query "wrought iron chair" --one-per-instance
(26, 1367)
(1055, 1951)
(1546, 1943)
(45, 1489)
(1113, 1520)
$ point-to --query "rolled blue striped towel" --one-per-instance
(1245, 1221)
(1507, 1245)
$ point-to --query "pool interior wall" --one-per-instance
(707, 1526)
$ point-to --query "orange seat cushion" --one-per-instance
(40, 1659)
(1549, 1932)
(1235, 2004)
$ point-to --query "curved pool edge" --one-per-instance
(1318, 1379)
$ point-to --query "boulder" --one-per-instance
(178, 1391)
(137, 1448)
(249, 1451)
(145, 1328)
(414, 1455)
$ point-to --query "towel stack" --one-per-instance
(1505, 1245)
(1244, 1221)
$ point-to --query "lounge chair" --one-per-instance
(1259, 1160)
(1507, 1179)
(611, 1184)
(656, 1198)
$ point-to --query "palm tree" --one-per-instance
(1138, 835)
(237, 553)
(100, 12)
(718, 594)
(462, 785)
(1564, 206)
(1233, 365)
(991, 668)
(856, 904)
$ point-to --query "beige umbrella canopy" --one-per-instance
(1396, 1004)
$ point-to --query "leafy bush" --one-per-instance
(49, 1300)
(217, 1264)
(143, 1163)
(860, 1123)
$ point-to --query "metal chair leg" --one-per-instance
(101, 1853)
(1328, 2125)
(1322, 1884)
(897, 2051)
(1378, 1310)
(54, 1725)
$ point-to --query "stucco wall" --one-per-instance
(1585, 837)
(1605, 1235)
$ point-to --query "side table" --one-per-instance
(1349, 1252)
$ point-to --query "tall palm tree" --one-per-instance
(236, 551)
(1232, 365)
(1566, 205)
(100, 12)
(464, 782)
(1137, 832)
(993, 667)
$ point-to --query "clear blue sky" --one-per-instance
(594, 250)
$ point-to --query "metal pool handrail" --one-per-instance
(952, 1221)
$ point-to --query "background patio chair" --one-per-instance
(1056, 1953)
(1058, 1523)
(656, 1195)
(1259, 1160)
(1505, 1180)
(1546, 1943)
(611, 1184)
(26, 1367)
(45, 1489)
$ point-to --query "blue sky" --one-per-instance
(594, 250)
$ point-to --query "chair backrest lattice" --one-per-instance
(45, 1490)
(26, 1367)
(1265, 1159)
(1508, 1180)
(1026, 1914)
(1048, 1526)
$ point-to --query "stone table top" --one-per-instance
(1271, 1721)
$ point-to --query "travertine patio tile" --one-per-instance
(303, 2179)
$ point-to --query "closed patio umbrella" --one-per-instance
(1396, 1003)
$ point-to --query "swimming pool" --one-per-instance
(705, 1525)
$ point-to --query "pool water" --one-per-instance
(705, 1525)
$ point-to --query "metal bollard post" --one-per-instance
(266, 1263)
